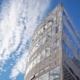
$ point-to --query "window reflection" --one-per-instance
(48, 36)
(55, 30)
(50, 22)
(52, 47)
(70, 37)
(47, 51)
(36, 79)
(34, 62)
(44, 77)
(44, 39)
(71, 55)
(71, 26)
(42, 55)
(54, 18)
(57, 42)
(59, 14)
(40, 42)
(38, 58)
(55, 73)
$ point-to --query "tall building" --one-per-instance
(55, 49)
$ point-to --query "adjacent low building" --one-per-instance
(55, 49)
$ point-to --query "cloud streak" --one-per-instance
(17, 24)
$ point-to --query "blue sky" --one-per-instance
(18, 20)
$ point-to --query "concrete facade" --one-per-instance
(54, 53)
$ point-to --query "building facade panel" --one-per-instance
(55, 49)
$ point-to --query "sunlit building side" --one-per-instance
(54, 52)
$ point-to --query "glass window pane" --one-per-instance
(54, 17)
(41, 30)
(44, 39)
(30, 66)
(47, 51)
(46, 26)
(56, 29)
(38, 58)
(53, 32)
(36, 79)
(44, 77)
(42, 55)
(51, 47)
(59, 14)
(48, 36)
(55, 73)
(34, 62)
(49, 23)
(57, 42)
(40, 42)
(55, 45)
(34, 49)
(37, 45)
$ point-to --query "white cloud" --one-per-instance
(17, 24)
(19, 67)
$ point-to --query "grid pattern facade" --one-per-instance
(55, 49)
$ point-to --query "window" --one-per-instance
(71, 26)
(79, 51)
(47, 51)
(38, 58)
(34, 49)
(50, 22)
(37, 45)
(70, 37)
(44, 39)
(44, 77)
(40, 42)
(67, 50)
(46, 26)
(57, 42)
(41, 30)
(30, 66)
(56, 29)
(55, 73)
(54, 18)
(42, 55)
(53, 32)
(35, 36)
(48, 36)
(34, 62)
(59, 14)
(36, 79)
(51, 47)
(54, 45)
(67, 74)
(71, 55)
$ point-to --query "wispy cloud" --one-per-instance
(19, 67)
(19, 18)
